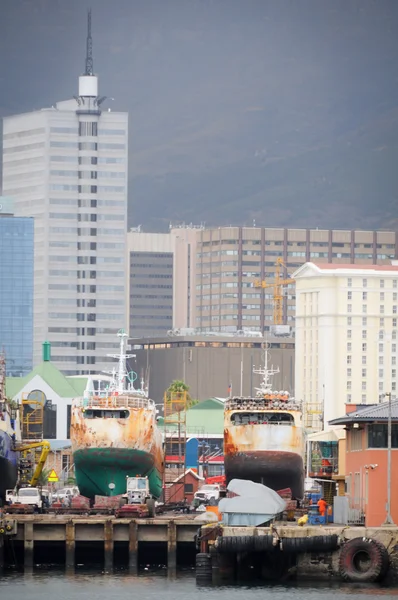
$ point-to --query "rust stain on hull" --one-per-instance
(271, 454)
(138, 431)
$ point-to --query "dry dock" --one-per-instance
(284, 551)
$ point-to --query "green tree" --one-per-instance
(43, 479)
(177, 387)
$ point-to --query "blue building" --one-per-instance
(16, 290)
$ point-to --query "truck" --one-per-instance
(27, 495)
(207, 494)
(138, 499)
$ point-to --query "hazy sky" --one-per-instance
(280, 110)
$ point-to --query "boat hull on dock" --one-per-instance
(96, 468)
(8, 464)
(277, 470)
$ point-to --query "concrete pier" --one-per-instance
(66, 534)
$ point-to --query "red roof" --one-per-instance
(334, 267)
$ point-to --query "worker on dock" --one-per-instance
(322, 506)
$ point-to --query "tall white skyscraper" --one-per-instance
(67, 167)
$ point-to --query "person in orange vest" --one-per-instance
(322, 505)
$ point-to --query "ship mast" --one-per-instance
(122, 357)
(265, 385)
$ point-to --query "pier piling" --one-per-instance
(172, 546)
(28, 545)
(70, 545)
(133, 547)
(108, 545)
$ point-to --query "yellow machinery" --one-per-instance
(45, 449)
(277, 287)
(32, 417)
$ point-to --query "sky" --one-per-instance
(282, 113)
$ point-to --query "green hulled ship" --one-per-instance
(114, 435)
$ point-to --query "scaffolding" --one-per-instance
(32, 418)
(313, 417)
(175, 435)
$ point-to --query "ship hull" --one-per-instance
(277, 470)
(8, 464)
(96, 468)
(107, 449)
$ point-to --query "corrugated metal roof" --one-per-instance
(376, 412)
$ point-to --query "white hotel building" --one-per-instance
(346, 335)
(66, 166)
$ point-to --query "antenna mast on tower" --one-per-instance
(89, 47)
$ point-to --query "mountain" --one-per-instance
(284, 112)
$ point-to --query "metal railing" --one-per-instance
(117, 402)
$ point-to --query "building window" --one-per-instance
(349, 282)
(381, 283)
(394, 360)
(349, 308)
(348, 398)
(381, 321)
(377, 435)
(363, 372)
(364, 359)
(349, 347)
(349, 295)
(381, 348)
(349, 371)
(381, 296)
(348, 385)
(188, 488)
(364, 321)
(364, 308)
(364, 334)
(349, 334)
(348, 359)
(364, 282)
(393, 347)
(394, 309)
(364, 295)
(394, 283)
(363, 399)
(363, 385)
(382, 309)
(381, 373)
(364, 347)
(349, 321)
(394, 322)
(381, 360)
(65, 461)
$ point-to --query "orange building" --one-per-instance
(366, 461)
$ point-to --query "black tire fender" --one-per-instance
(362, 560)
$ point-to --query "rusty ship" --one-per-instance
(114, 434)
(264, 437)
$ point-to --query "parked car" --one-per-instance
(28, 495)
(65, 494)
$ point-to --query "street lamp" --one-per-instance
(389, 520)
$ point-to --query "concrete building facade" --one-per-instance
(160, 280)
(346, 335)
(16, 290)
(209, 364)
(66, 166)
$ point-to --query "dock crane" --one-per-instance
(45, 449)
(277, 290)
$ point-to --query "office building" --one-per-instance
(16, 290)
(160, 281)
(66, 166)
(346, 335)
(230, 260)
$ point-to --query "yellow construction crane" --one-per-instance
(278, 292)
(45, 449)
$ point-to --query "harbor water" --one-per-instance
(96, 584)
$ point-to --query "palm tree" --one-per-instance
(178, 387)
